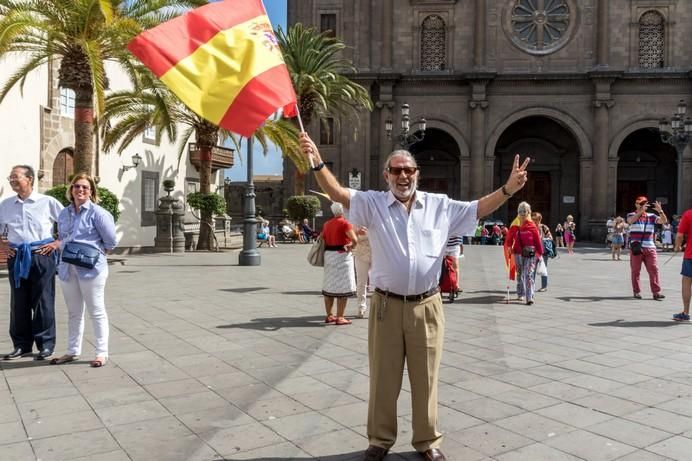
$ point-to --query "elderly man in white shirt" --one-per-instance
(28, 218)
(408, 230)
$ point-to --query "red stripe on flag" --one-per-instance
(165, 45)
(261, 97)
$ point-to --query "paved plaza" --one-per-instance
(214, 361)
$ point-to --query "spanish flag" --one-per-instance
(223, 61)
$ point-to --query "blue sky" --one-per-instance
(271, 163)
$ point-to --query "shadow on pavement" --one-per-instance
(354, 456)
(276, 323)
(304, 292)
(492, 299)
(590, 299)
(25, 362)
(244, 290)
(637, 324)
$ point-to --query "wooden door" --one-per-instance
(627, 193)
(536, 193)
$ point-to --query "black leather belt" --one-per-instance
(406, 298)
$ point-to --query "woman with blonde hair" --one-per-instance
(86, 223)
(570, 228)
(525, 243)
(618, 239)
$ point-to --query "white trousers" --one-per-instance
(362, 269)
(90, 294)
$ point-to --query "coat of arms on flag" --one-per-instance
(223, 61)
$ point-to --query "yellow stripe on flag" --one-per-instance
(209, 80)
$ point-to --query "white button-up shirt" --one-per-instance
(29, 220)
(408, 248)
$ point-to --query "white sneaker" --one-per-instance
(362, 313)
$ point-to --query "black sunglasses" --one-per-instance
(397, 170)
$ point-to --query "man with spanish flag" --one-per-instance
(408, 230)
(223, 61)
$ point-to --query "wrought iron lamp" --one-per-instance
(406, 139)
(677, 133)
(136, 160)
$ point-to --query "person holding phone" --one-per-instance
(642, 246)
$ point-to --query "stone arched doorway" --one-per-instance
(646, 166)
(63, 166)
(553, 188)
(438, 158)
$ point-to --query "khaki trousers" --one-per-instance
(414, 332)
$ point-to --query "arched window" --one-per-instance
(433, 44)
(63, 167)
(651, 40)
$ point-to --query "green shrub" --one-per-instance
(211, 203)
(300, 207)
(107, 199)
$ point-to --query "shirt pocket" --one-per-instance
(431, 242)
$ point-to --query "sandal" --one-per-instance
(330, 319)
(343, 321)
(98, 362)
(64, 359)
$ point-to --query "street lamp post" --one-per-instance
(249, 256)
(404, 138)
(677, 133)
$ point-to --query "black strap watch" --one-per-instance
(318, 167)
(505, 192)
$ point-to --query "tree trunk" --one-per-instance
(84, 131)
(206, 235)
(299, 186)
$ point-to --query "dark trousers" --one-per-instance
(32, 305)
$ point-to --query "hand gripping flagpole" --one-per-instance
(302, 130)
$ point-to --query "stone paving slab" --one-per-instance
(212, 361)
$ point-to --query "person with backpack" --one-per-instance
(642, 246)
(548, 247)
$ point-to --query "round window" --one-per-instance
(540, 26)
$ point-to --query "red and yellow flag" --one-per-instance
(223, 61)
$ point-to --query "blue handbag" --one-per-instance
(80, 254)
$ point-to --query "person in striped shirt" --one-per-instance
(642, 246)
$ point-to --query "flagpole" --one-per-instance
(302, 130)
(249, 256)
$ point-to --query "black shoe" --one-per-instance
(374, 453)
(17, 353)
(44, 354)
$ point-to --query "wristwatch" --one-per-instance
(318, 167)
(505, 192)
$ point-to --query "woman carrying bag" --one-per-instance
(87, 232)
(526, 245)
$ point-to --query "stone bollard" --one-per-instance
(170, 237)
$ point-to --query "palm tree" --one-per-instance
(152, 104)
(317, 70)
(82, 35)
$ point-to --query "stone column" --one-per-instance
(387, 38)
(479, 36)
(600, 159)
(477, 105)
(603, 34)
(477, 148)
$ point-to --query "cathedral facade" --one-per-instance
(580, 86)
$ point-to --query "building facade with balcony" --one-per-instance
(38, 130)
(577, 85)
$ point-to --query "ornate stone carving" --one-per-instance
(651, 40)
(433, 44)
(478, 104)
(540, 26)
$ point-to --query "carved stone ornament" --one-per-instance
(540, 27)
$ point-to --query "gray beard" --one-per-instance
(414, 188)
